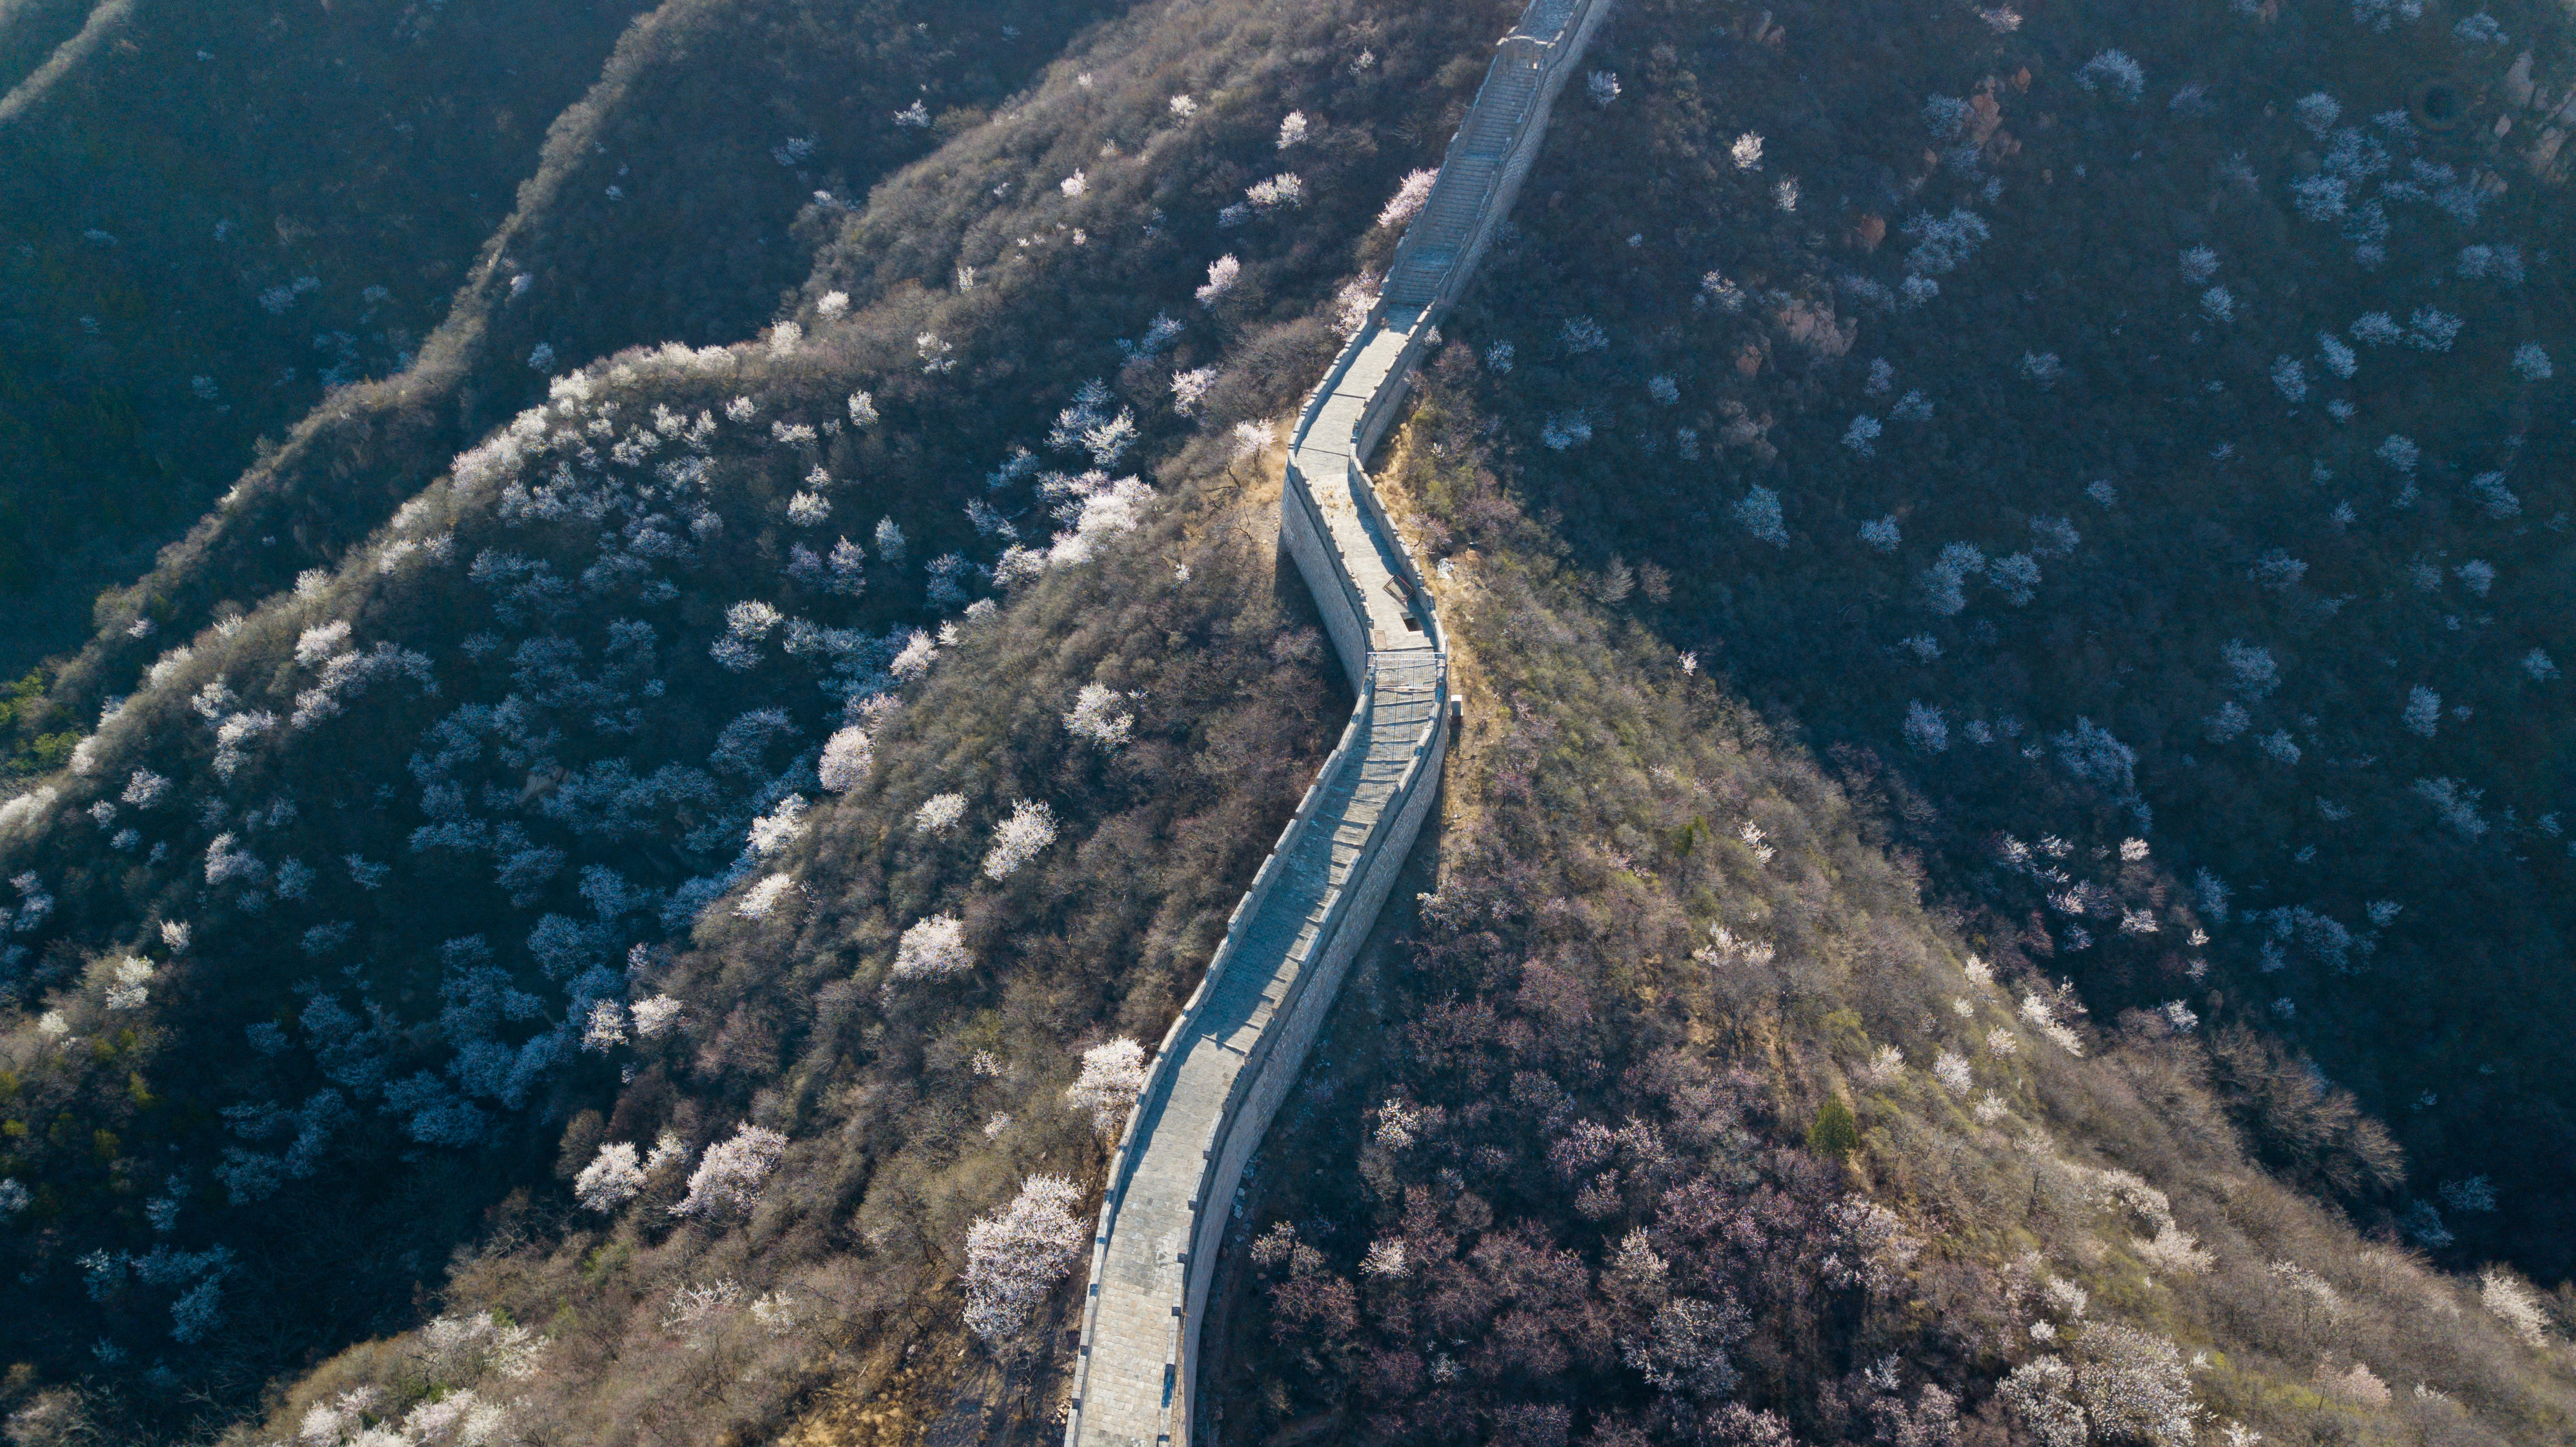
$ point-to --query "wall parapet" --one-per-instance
(1242, 1037)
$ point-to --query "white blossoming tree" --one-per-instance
(847, 759)
(1096, 718)
(933, 949)
(1017, 1254)
(1113, 1075)
(1408, 200)
(611, 1179)
(1018, 839)
(729, 1176)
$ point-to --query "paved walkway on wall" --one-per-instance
(1180, 1157)
(1326, 454)
(1131, 1385)
(1132, 1382)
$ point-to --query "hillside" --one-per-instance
(214, 214)
(1673, 1115)
(321, 918)
(618, 887)
(2073, 455)
(677, 192)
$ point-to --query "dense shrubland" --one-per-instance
(2134, 424)
(908, 1104)
(211, 215)
(29, 32)
(365, 895)
(662, 207)
(632, 918)
(1680, 1120)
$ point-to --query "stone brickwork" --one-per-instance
(1241, 1040)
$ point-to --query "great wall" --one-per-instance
(1242, 1038)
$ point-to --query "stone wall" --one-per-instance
(1290, 1037)
(1241, 1040)
(1301, 529)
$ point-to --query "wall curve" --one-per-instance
(1242, 1038)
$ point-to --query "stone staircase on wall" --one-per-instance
(1242, 1038)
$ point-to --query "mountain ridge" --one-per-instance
(644, 924)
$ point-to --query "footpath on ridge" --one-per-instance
(1242, 1038)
